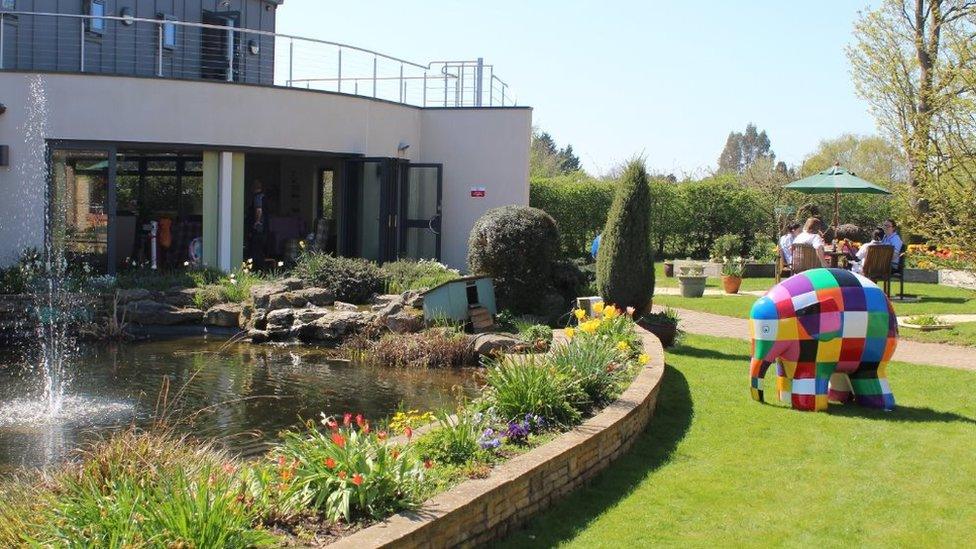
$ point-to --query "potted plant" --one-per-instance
(732, 275)
(669, 269)
(691, 280)
(663, 324)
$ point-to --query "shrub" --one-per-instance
(531, 384)
(455, 440)
(407, 274)
(536, 332)
(516, 246)
(578, 204)
(435, 348)
(593, 361)
(852, 232)
(350, 471)
(727, 245)
(625, 262)
(350, 279)
(763, 250)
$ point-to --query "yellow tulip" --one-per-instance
(580, 314)
(643, 358)
(623, 347)
(598, 307)
(570, 333)
(610, 312)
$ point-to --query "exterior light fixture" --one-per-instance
(253, 47)
(3, 108)
(402, 147)
(127, 17)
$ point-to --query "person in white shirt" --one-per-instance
(893, 239)
(811, 235)
(857, 265)
(786, 241)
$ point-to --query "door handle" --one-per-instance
(430, 224)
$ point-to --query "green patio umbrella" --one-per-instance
(835, 180)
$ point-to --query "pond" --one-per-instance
(239, 395)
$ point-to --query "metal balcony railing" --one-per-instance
(166, 48)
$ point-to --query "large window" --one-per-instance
(96, 8)
(80, 205)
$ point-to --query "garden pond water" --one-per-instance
(239, 395)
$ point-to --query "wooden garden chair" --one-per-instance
(804, 258)
(877, 265)
(782, 268)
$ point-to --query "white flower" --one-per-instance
(281, 263)
(186, 263)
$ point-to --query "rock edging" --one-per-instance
(481, 510)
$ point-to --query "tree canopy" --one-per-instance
(546, 159)
(743, 149)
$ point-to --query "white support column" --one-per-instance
(225, 213)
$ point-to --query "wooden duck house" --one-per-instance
(468, 299)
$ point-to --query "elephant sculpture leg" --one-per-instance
(757, 371)
(809, 386)
(840, 388)
(871, 388)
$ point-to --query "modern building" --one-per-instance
(195, 117)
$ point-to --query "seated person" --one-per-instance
(811, 235)
(857, 264)
(786, 241)
(893, 239)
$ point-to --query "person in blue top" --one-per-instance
(595, 247)
(893, 239)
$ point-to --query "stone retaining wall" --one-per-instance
(478, 511)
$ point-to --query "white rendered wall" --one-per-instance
(487, 147)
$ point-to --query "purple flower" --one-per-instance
(518, 432)
(488, 440)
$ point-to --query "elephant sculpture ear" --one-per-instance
(822, 320)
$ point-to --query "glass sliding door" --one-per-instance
(420, 236)
(367, 220)
(81, 199)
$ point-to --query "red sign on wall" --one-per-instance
(477, 192)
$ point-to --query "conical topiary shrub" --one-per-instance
(625, 262)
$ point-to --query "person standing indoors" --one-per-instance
(259, 224)
(893, 239)
(786, 242)
(811, 235)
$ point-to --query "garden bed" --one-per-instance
(481, 510)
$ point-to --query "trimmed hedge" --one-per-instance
(578, 204)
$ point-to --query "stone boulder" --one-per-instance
(318, 297)
(348, 307)
(493, 344)
(261, 293)
(148, 312)
(412, 298)
(279, 323)
(398, 318)
(180, 298)
(379, 301)
(227, 315)
(133, 294)
(335, 326)
(258, 336)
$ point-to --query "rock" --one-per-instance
(261, 293)
(280, 319)
(335, 326)
(408, 320)
(134, 294)
(319, 297)
(227, 315)
(310, 314)
(491, 344)
(342, 306)
(180, 298)
(382, 300)
(258, 336)
(258, 319)
(147, 311)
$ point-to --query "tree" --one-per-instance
(744, 149)
(625, 262)
(548, 160)
(913, 61)
(870, 157)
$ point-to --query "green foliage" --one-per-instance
(516, 246)
(763, 249)
(349, 471)
(455, 440)
(625, 262)
(350, 279)
(547, 160)
(714, 207)
(20, 277)
(743, 149)
(595, 362)
(733, 266)
(407, 274)
(530, 384)
(727, 245)
(579, 205)
(536, 332)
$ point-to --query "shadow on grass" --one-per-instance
(652, 449)
(932, 299)
(701, 352)
(901, 414)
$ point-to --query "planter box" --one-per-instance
(928, 276)
(713, 270)
(759, 270)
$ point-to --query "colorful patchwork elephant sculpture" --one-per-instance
(831, 334)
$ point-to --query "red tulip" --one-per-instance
(342, 475)
(359, 420)
(339, 440)
(357, 479)
(408, 431)
(428, 464)
(381, 435)
(330, 463)
(347, 419)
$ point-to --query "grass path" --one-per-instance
(716, 468)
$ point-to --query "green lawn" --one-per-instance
(716, 468)
(961, 334)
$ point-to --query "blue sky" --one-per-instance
(665, 78)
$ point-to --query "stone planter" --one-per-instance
(927, 276)
(758, 270)
(691, 286)
(731, 284)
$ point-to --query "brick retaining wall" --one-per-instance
(481, 510)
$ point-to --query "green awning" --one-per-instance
(835, 180)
